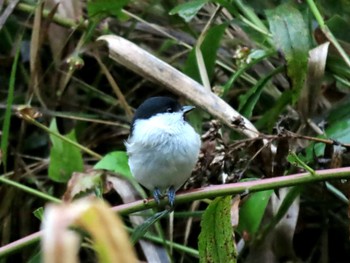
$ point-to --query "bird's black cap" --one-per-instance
(153, 106)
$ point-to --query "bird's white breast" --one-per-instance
(163, 151)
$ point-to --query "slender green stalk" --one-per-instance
(294, 159)
(342, 80)
(254, 26)
(35, 237)
(316, 13)
(327, 32)
(241, 187)
(199, 56)
(6, 124)
(208, 192)
(79, 146)
(176, 246)
(337, 193)
(243, 69)
(66, 22)
(257, 24)
(336, 44)
(19, 244)
(29, 190)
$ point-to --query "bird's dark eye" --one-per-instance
(170, 110)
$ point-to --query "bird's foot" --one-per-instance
(171, 196)
(157, 195)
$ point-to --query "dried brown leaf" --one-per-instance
(58, 35)
(81, 182)
(310, 96)
(27, 112)
(280, 159)
(337, 157)
(151, 251)
(235, 211)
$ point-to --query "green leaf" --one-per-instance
(270, 117)
(248, 101)
(290, 33)
(294, 159)
(188, 10)
(252, 211)
(338, 67)
(209, 49)
(141, 230)
(339, 131)
(37, 258)
(253, 58)
(331, 8)
(216, 242)
(105, 7)
(339, 27)
(64, 157)
(115, 161)
(39, 213)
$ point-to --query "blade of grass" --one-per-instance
(243, 69)
(43, 127)
(8, 11)
(249, 100)
(256, 23)
(199, 55)
(327, 32)
(6, 124)
(29, 190)
(20, 244)
(224, 190)
(123, 103)
(188, 250)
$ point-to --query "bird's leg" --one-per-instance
(157, 195)
(171, 195)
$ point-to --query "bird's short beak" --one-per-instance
(186, 109)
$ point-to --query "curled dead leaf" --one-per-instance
(60, 244)
(27, 112)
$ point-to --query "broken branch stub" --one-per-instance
(145, 64)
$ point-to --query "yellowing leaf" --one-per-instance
(81, 182)
(60, 244)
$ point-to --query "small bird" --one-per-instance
(163, 147)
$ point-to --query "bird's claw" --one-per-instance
(171, 196)
(157, 194)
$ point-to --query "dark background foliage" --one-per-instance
(268, 59)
